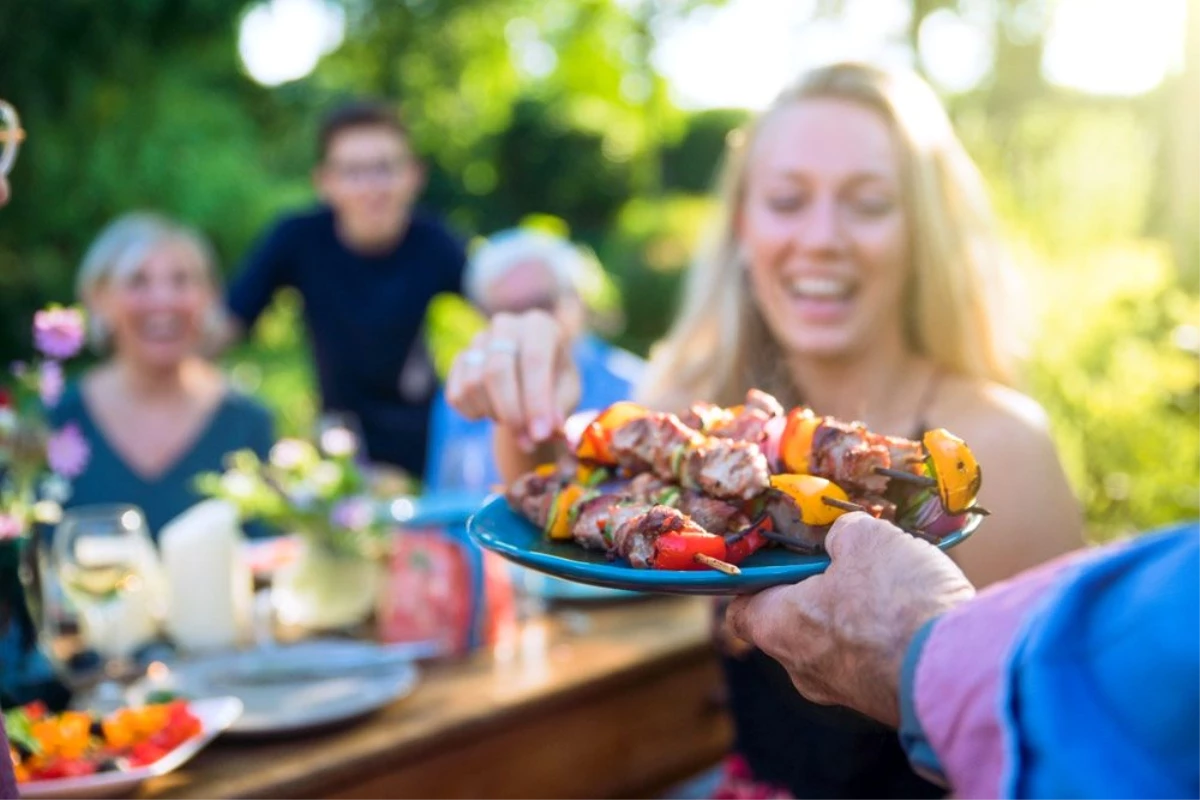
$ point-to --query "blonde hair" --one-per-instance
(121, 248)
(719, 345)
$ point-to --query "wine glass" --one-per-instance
(11, 135)
(105, 597)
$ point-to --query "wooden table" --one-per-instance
(613, 701)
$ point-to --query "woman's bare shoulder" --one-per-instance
(981, 406)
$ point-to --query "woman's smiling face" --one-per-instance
(823, 228)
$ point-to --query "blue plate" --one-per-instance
(498, 528)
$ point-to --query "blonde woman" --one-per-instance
(155, 412)
(854, 267)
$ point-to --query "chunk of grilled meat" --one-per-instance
(723, 468)
(746, 422)
(848, 454)
(634, 536)
(714, 515)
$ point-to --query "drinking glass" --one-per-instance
(103, 597)
(11, 135)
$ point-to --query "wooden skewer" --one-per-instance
(737, 536)
(790, 542)
(755, 524)
(920, 534)
(901, 475)
(17, 135)
(842, 504)
(717, 564)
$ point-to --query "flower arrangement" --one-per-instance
(38, 462)
(320, 492)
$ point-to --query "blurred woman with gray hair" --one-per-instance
(155, 411)
(514, 271)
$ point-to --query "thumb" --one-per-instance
(851, 535)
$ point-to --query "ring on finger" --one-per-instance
(473, 357)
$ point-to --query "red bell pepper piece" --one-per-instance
(678, 550)
(741, 545)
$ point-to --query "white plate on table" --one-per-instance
(295, 688)
(216, 714)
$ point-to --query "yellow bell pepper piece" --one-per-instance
(958, 474)
(560, 514)
(807, 491)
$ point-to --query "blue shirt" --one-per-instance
(460, 450)
(1099, 694)
(364, 315)
(237, 423)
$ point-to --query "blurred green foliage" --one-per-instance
(142, 103)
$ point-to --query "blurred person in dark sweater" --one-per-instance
(366, 264)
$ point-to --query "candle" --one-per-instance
(209, 587)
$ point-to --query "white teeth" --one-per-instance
(820, 287)
(161, 327)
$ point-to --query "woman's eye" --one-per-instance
(873, 206)
(785, 204)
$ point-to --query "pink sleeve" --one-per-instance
(959, 686)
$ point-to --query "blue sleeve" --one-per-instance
(435, 451)
(269, 267)
(1080, 678)
(1105, 687)
(608, 374)
(916, 744)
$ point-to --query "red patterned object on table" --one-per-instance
(440, 587)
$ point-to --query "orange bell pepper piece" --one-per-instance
(594, 444)
(958, 474)
(795, 445)
(807, 491)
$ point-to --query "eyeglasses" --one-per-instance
(374, 171)
(11, 136)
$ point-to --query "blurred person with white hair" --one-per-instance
(515, 271)
(155, 413)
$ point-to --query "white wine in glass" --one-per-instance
(105, 599)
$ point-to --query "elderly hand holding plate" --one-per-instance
(842, 635)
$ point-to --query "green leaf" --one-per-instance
(20, 730)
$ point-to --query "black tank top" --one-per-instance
(815, 750)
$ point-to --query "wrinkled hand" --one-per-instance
(842, 635)
(520, 373)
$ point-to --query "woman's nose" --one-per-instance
(820, 230)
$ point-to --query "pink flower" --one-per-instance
(10, 527)
(50, 383)
(353, 513)
(67, 451)
(58, 332)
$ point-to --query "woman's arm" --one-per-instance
(1035, 515)
(511, 459)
